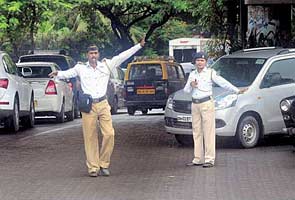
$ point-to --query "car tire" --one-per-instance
(186, 140)
(114, 108)
(248, 132)
(144, 111)
(12, 122)
(130, 110)
(60, 117)
(29, 121)
(71, 114)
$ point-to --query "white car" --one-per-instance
(16, 96)
(52, 96)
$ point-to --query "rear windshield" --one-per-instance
(145, 71)
(241, 72)
(39, 72)
(59, 60)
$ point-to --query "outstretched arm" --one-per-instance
(119, 59)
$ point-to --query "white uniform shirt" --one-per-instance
(205, 80)
(94, 81)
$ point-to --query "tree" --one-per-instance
(124, 15)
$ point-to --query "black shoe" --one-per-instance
(208, 165)
(104, 172)
(193, 164)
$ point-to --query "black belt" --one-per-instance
(97, 100)
(201, 100)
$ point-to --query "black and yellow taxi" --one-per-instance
(149, 81)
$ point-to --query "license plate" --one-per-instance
(35, 103)
(145, 91)
(181, 118)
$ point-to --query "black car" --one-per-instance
(287, 106)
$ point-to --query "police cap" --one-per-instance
(199, 55)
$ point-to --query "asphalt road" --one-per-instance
(48, 163)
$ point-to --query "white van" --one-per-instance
(269, 74)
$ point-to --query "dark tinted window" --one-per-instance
(240, 72)
(61, 61)
(9, 65)
(145, 71)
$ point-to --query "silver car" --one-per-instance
(269, 74)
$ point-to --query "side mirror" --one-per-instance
(26, 72)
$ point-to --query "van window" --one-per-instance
(281, 72)
(241, 72)
(145, 71)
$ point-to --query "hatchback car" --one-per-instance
(52, 96)
(115, 90)
(268, 73)
(63, 61)
(16, 96)
(287, 106)
(149, 82)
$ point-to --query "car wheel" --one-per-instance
(29, 121)
(12, 122)
(144, 111)
(71, 114)
(248, 132)
(114, 107)
(60, 118)
(130, 110)
(186, 140)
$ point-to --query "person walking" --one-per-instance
(94, 76)
(199, 84)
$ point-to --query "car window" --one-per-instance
(10, 66)
(40, 72)
(280, 72)
(172, 72)
(241, 72)
(145, 71)
(120, 74)
(180, 72)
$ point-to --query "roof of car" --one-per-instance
(44, 55)
(265, 52)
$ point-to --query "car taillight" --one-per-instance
(4, 83)
(51, 88)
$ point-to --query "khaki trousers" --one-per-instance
(203, 123)
(95, 159)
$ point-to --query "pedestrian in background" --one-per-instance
(199, 84)
(94, 77)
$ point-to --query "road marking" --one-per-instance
(50, 131)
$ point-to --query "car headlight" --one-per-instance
(169, 103)
(225, 101)
(285, 105)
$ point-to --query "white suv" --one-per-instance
(16, 96)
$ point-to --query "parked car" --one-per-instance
(149, 82)
(16, 96)
(115, 90)
(269, 75)
(287, 106)
(52, 96)
(63, 61)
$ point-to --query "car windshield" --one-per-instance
(145, 71)
(39, 72)
(241, 72)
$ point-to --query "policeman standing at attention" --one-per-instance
(94, 77)
(199, 84)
